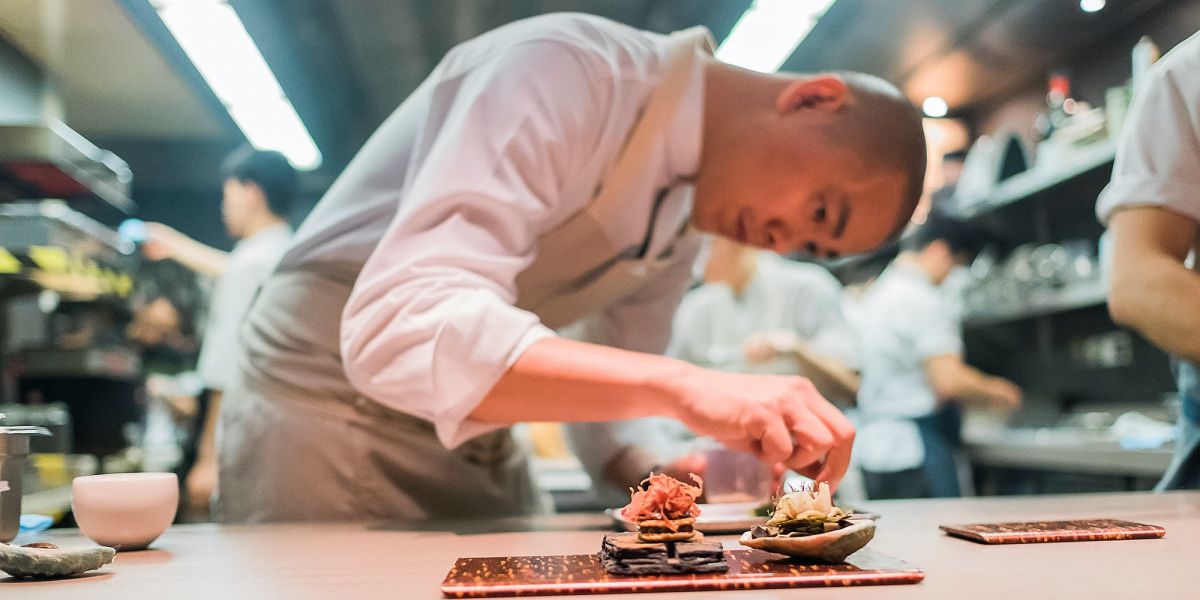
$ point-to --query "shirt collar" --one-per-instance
(685, 134)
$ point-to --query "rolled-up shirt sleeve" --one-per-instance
(431, 325)
(1158, 153)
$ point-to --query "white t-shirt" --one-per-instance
(1158, 153)
(251, 262)
(512, 134)
(903, 320)
(712, 323)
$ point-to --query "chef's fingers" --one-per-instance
(774, 439)
(837, 461)
(812, 438)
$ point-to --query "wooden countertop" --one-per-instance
(350, 561)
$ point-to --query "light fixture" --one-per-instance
(1091, 6)
(213, 37)
(935, 106)
(769, 31)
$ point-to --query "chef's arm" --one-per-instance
(781, 419)
(558, 379)
(953, 380)
(1151, 290)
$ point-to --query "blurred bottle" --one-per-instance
(1058, 102)
(1145, 54)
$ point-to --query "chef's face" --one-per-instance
(238, 202)
(827, 204)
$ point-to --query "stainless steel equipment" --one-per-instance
(14, 448)
(50, 160)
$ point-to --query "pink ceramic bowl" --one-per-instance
(125, 511)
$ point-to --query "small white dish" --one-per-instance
(125, 511)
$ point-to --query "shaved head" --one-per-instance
(885, 129)
(826, 164)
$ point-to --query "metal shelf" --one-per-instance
(1044, 302)
(1034, 181)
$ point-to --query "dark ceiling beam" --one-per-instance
(147, 19)
(306, 49)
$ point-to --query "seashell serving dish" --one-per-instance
(806, 525)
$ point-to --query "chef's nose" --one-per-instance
(780, 238)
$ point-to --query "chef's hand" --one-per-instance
(779, 419)
(766, 346)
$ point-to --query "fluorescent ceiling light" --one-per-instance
(1091, 6)
(213, 37)
(769, 31)
(935, 106)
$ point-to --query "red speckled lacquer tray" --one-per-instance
(583, 574)
(1035, 532)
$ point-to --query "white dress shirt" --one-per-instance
(509, 137)
(1158, 152)
(902, 320)
(251, 262)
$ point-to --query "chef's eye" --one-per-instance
(819, 214)
(810, 247)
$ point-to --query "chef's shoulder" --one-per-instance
(607, 50)
(1180, 68)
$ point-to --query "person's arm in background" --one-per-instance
(1151, 290)
(822, 343)
(953, 380)
(831, 376)
(200, 482)
(937, 334)
(163, 242)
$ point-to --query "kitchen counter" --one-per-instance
(348, 561)
(1067, 451)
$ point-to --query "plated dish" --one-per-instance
(665, 525)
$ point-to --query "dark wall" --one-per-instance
(22, 86)
(1099, 67)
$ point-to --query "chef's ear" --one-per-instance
(827, 92)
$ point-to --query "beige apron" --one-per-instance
(298, 442)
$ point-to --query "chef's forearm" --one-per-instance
(557, 379)
(1158, 297)
(1151, 290)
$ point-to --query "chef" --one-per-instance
(914, 378)
(1152, 208)
(552, 172)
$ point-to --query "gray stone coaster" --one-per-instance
(47, 563)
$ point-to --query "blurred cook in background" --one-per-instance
(1152, 208)
(258, 191)
(913, 375)
(755, 313)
